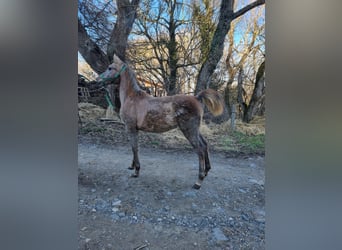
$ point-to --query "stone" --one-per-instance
(219, 235)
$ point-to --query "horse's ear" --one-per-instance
(116, 59)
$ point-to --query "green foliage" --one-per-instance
(203, 18)
(250, 143)
(242, 143)
(156, 143)
(227, 143)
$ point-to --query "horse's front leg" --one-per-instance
(133, 138)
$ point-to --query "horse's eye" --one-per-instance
(110, 68)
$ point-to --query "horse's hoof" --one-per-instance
(131, 168)
(134, 175)
(196, 186)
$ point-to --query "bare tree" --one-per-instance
(127, 11)
(96, 34)
(94, 18)
(91, 51)
(249, 110)
(168, 46)
(247, 53)
(227, 15)
(164, 44)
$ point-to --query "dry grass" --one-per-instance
(90, 112)
(248, 138)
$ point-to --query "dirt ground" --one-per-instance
(160, 210)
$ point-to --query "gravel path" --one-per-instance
(160, 210)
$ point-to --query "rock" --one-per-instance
(116, 203)
(259, 215)
(254, 181)
(189, 194)
(244, 217)
(115, 217)
(159, 219)
(115, 209)
(93, 190)
(218, 235)
(87, 240)
(252, 165)
(101, 204)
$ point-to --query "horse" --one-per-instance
(142, 112)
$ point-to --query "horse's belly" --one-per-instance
(158, 122)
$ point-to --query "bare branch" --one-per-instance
(247, 8)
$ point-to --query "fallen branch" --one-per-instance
(141, 247)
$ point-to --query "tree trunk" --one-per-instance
(173, 57)
(118, 41)
(258, 92)
(91, 53)
(227, 96)
(242, 104)
(216, 47)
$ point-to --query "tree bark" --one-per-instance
(127, 11)
(258, 93)
(91, 53)
(172, 49)
(216, 47)
(242, 104)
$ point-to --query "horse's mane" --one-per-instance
(134, 81)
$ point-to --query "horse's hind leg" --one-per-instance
(190, 130)
(133, 138)
(206, 151)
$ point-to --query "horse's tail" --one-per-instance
(212, 100)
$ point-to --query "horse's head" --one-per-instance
(113, 71)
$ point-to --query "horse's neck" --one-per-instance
(128, 86)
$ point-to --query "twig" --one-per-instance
(141, 247)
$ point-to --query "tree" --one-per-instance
(172, 42)
(164, 43)
(248, 110)
(247, 53)
(204, 20)
(227, 15)
(91, 44)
